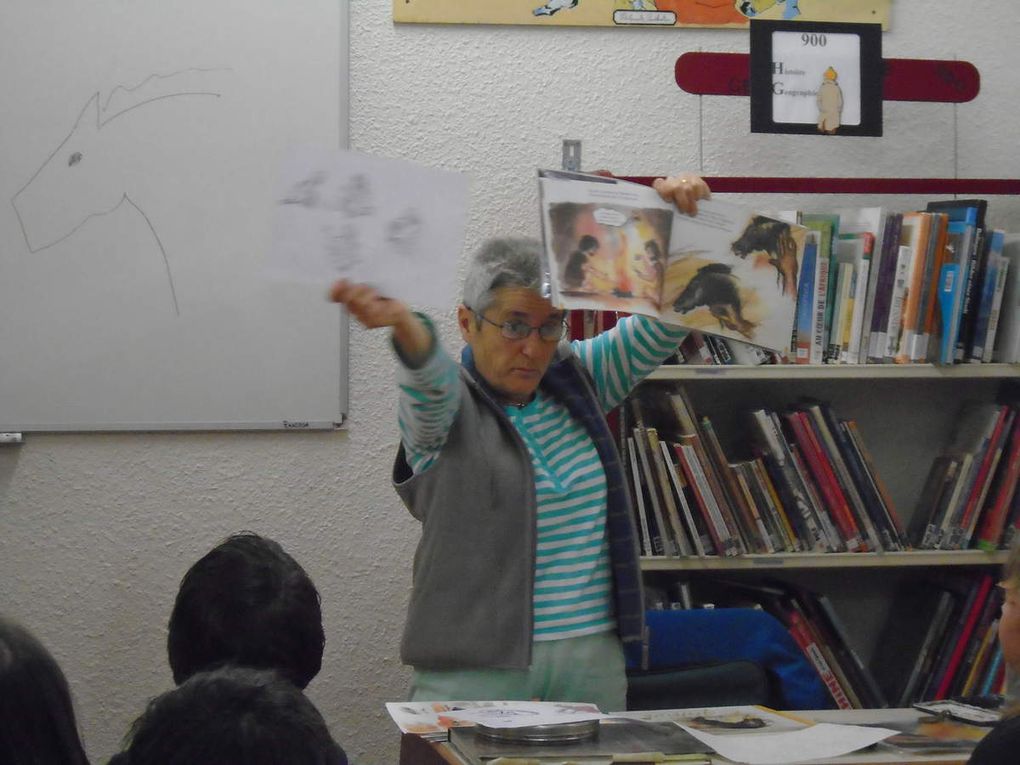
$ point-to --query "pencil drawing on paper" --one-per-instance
(91, 172)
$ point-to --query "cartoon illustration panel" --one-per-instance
(639, 13)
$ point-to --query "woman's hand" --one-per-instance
(683, 190)
(372, 310)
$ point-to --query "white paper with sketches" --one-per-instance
(391, 223)
(812, 743)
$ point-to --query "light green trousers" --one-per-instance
(589, 669)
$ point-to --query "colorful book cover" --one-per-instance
(616, 245)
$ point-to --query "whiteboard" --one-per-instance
(139, 148)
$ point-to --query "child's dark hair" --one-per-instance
(247, 602)
(37, 723)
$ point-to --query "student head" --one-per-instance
(37, 725)
(507, 319)
(1009, 623)
(232, 716)
(249, 603)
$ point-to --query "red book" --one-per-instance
(970, 619)
(825, 479)
(805, 638)
(985, 472)
(994, 519)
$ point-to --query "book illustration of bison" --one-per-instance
(716, 287)
(774, 238)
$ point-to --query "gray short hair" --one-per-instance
(504, 262)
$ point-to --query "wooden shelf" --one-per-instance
(834, 371)
(912, 558)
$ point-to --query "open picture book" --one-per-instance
(615, 245)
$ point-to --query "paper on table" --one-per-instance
(525, 713)
(821, 740)
(436, 717)
(391, 223)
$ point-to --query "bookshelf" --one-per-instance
(906, 414)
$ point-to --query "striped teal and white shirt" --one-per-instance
(573, 587)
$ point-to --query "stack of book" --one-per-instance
(810, 486)
(940, 641)
(970, 497)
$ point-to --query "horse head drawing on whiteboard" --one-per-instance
(91, 172)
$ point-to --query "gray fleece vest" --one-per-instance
(471, 600)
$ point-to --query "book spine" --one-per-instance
(883, 289)
(787, 481)
(679, 487)
(968, 314)
(995, 450)
(639, 501)
(984, 587)
(661, 542)
(834, 501)
(791, 542)
(721, 539)
(994, 519)
(827, 442)
(805, 639)
(669, 507)
(818, 335)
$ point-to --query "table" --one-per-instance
(415, 750)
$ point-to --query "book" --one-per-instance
(787, 480)
(1007, 339)
(680, 488)
(834, 501)
(993, 520)
(662, 543)
(670, 510)
(825, 426)
(856, 249)
(804, 327)
(916, 233)
(992, 287)
(970, 213)
(724, 543)
(726, 271)
(927, 339)
(945, 676)
(881, 290)
(644, 532)
(827, 226)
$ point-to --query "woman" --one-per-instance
(526, 579)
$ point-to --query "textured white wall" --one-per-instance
(96, 530)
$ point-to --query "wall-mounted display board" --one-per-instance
(138, 159)
(638, 13)
(816, 78)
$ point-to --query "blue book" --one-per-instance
(949, 296)
(805, 301)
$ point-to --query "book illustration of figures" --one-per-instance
(830, 102)
(396, 225)
(610, 250)
(107, 163)
(614, 245)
